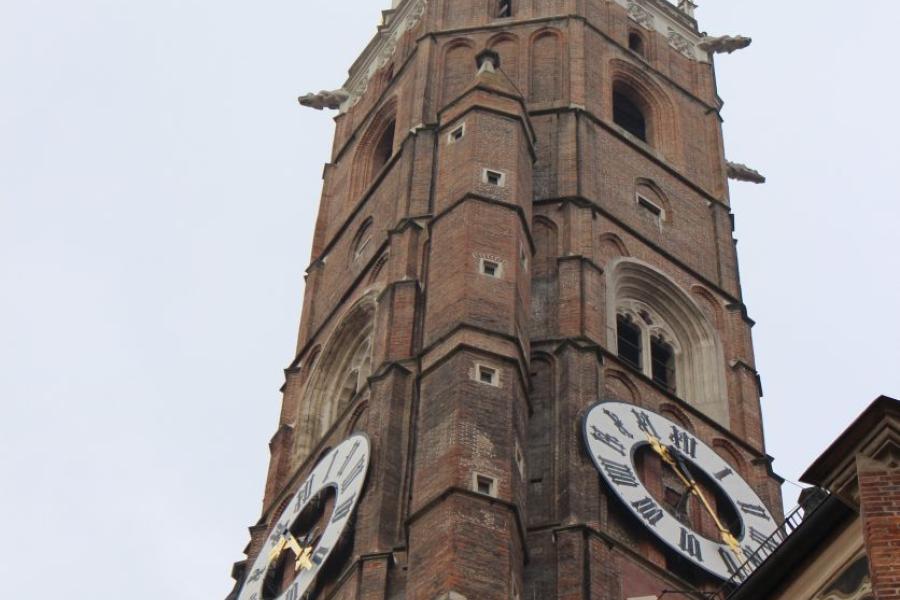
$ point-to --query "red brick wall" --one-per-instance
(879, 498)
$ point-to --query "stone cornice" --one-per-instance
(677, 27)
(873, 437)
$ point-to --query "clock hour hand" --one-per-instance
(302, 550)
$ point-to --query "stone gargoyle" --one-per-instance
(740, 172)
(724, 43)
(325, 99)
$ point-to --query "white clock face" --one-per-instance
(615, 431)
(344, 470)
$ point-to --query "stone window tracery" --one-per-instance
(645, 342)
(672, 341)
(339, 378)
(362, 239)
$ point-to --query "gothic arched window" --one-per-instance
(384, 149)
(339, 379)
(375, 148)
(661, 332)
(628, 115)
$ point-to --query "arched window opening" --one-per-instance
(629, 116)
(663, 363)
(351, 386)
(384, 149)
(339, 378)
(675, 345)
(362, 239)
(374, 150)
(636, 43)
(629, 338)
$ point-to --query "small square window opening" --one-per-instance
(494, 178)
(457, 134)
(504, 8)
(485, 485)
(490, 268)
(487, 375)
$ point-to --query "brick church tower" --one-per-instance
(525, 213)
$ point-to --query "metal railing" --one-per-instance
(768, 546)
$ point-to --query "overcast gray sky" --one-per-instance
(158, 186)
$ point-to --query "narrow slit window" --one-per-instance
(504, 8)
(663, 359)
(629, 338)
(636, 43)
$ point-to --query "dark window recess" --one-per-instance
(457, 134)
(628, 116)
(504, 8)
(486, 375)
(385, 148)
(636, 43)
(629, 336)
(650, 206)
(663, 359)
(489, 267)
(485, 485)
(494, 178)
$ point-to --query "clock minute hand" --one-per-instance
(673, 457)
(685, 474)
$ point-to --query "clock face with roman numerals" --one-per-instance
(615, 431)
(304, 549)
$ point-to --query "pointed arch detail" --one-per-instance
(665, 310)
(339, 376)
(653, 102)
(547, 75)
(375, 148)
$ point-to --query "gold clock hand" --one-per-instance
(303, 561)
(275, 554)
(685, 475)
(677, 464)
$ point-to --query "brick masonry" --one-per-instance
(879, 500)
(566, 209)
